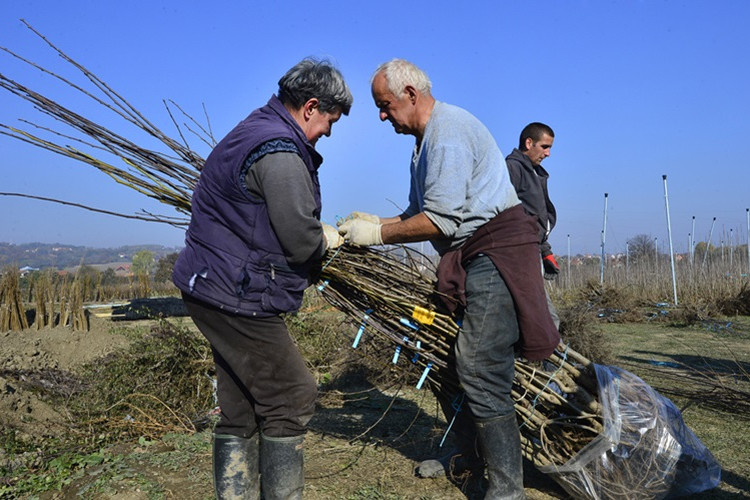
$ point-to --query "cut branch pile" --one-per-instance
(12, 312)
(599, 431)
(391, 295)
(166, 177)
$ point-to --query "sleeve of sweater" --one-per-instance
(282, 180)
(514, 170)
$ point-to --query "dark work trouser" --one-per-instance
(263, 382)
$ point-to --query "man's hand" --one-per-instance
(551, 269)
(361, 232)
(332, 236)
(359, 215)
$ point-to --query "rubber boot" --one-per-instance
(500, 443)
(235, 465)
(282, 467)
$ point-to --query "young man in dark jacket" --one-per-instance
(254, 239)
(530, 180)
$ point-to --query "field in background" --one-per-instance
(372, 425)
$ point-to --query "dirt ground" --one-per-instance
(352, 450)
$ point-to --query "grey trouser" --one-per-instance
(485, 343)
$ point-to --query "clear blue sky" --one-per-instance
(633, 90)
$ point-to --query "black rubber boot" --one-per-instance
(282, 467)
(500, 443)
(236, 470)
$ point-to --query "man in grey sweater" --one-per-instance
(459, 184)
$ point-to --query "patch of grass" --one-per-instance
(54, 475)
(130, 331)
(675, 361)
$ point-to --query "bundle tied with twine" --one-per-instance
(388, 293)
(599, 431)
(391, 293)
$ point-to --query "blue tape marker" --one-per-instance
(416, 354)
(456, 406)
(322, 285)
(398, 350)
(424, 375)
(395, 354)
(408, 323)
(361, 329)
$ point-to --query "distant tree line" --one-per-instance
(60, 256)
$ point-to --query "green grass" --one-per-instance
(650, 351)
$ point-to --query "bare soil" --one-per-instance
(364, 441)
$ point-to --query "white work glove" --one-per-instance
(361, 232)
(332, 236)
(359, 215)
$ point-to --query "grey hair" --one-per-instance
(311, 78)
(399, 73)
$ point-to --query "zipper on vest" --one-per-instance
(273, 272)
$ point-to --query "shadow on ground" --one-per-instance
(400, 419)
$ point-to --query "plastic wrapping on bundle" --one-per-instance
(645, 450)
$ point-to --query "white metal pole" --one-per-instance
(669, 232)
(604, 239)
(692, 243)
(569, 261)
(627, 261)
(708, 243)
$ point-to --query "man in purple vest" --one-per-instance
(254, 239)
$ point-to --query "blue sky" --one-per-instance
(634, 90)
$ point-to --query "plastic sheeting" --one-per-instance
(645, 450)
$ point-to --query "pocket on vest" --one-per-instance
(284, 290)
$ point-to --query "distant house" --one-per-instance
(25, 270)
(123, 270)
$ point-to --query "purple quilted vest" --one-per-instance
(232, 258)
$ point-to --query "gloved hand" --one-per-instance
(551, 269)
(359, 215)
(361, 232)
(332, 236)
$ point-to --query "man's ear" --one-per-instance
(528, 143)
(310, 106)
(411, 93)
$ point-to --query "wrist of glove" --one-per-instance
(359, 215)
(551, 268)
(332, 237)
(361, 232)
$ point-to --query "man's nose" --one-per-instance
(383, 116)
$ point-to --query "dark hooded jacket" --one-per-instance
(530, 182)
